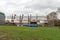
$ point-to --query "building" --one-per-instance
(2, 18)
(29, 19)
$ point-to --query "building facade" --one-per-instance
(2, 18)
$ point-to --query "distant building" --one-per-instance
(58, 10)
(2, 18)
(58, 13)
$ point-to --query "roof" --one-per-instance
(2, 13)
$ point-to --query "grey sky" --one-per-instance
(40, 7)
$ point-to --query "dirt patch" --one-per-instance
(2, 33)
(6, 38)
(3, 36)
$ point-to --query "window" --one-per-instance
(33, 22)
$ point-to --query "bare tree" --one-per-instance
(29, 18)
(36, 17)
(21, 19)
(52, 17)
(13, 16)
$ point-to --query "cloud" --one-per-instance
(41, 7)
(38, 4)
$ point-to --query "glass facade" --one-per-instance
(2, 18)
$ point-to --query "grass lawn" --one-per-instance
(29, 33)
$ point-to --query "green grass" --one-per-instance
(29, 33)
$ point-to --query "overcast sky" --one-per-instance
(40, 7)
